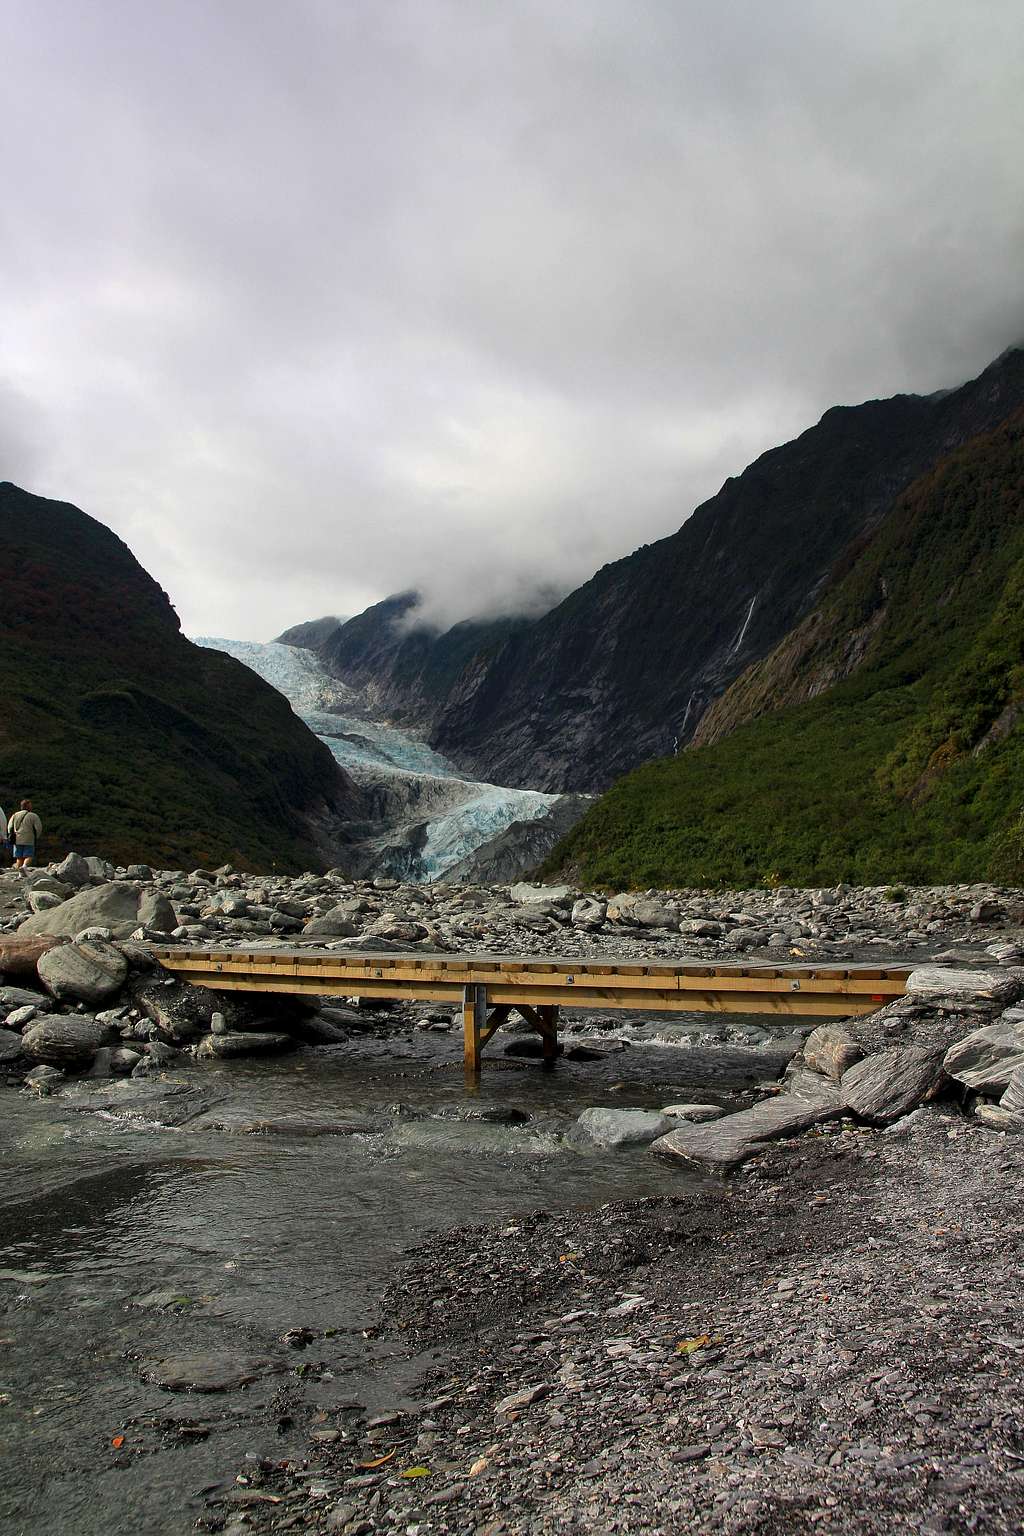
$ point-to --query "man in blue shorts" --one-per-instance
(24, 830)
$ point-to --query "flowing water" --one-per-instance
(122, 1243)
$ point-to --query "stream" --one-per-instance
(126, 1242)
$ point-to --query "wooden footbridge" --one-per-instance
(490, 987)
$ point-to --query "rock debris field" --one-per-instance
(825, 1337)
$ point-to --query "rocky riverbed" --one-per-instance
(824, 1340)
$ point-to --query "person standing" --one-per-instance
(3, 829)
(24, 830)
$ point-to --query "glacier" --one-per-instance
(431, 816)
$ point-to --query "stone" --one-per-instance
(99, 869)
(885, 1087)
(43, 901)
(1013, 1095)
(91, 972)
(525, 894)
(335, 924)
(654, 914)
(244, 1043)
(588, 912)
(19, 1017)
(43, 1080)
(620, 907)
(701, 928)
(21, 997)
(696, 1113)
(73, 870)
(831, 1050)
(943, 981)
(64, 1041)
(95, 932)
(987, 1058)
(732, 1140)
(11, 1046)
(139, 872)
(611, 1128)
(19, 957)
(179, 1010)
(999, 1119)
(214, 1372)
(119, 906)
(517, 1401)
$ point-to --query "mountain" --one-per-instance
(407, 672)
(624, 669)
(134, 743)
(311, 634)
(880, 740)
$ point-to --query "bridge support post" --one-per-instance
(548, 1016)
(474, 1024)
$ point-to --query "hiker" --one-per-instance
(3, 829)
(24, 830)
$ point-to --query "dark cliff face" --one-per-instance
(881, 740)
(409, 673)
(134, 743)
(625, 667)
(311, 634)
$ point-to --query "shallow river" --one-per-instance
(125, 1243)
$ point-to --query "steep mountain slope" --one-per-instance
(133, 742)
(407, 672)
(625, 667)
(879, 741)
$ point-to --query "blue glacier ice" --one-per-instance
(415, 786)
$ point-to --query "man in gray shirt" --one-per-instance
(24, 830)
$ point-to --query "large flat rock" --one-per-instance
(214, 1372)
(120, 906)
(987, 1058)
(610, 1128)
(949, 981)
(726, 1143)
(885, 1087)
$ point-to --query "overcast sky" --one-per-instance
(316, 300)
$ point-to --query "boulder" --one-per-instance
(178, 1010)
(203, 1372)
(73, 870)
(999, 1119)
(654, 914)
(119, 906)
(987, 1058)
(19, 957)
(91, 972)
(99, 869)
(620, 907)
(244, 1043)
(588, 912)
(43, 901)
(930, 981)
(726, 1143)
(831, 1050)
(885, 1087)
(696, 1113)
(1013, 1097)
(64, 1041)
(611, 1128)
(701, 928)
(335, 924)
(525, 894)
(11, 1046)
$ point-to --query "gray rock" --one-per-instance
(19, 1017)
(525, 894)
(588, 912)
(1013, 1097)
(884, 1087)
(999, 1119)
(179, 1010)
(73, 870)
(139, 872)
(11, 1046)
(987, 1058)
(734, 1139)
(203, 1372)
(95, 932)
(43, 901)
(701, 928)
(611, 1128)
(21, 997)
(654, 914)
(831, 1050)
(151, 1101)
(943, 981)
(65, 1041)
(43, 1080)
(335, 924)
(698, 1114)
(244, 1043)
(119, 906)
(99, 869)
(91, 972)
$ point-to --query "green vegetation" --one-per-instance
(908, 770)
(134, 743)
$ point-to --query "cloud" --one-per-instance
(313, 303)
